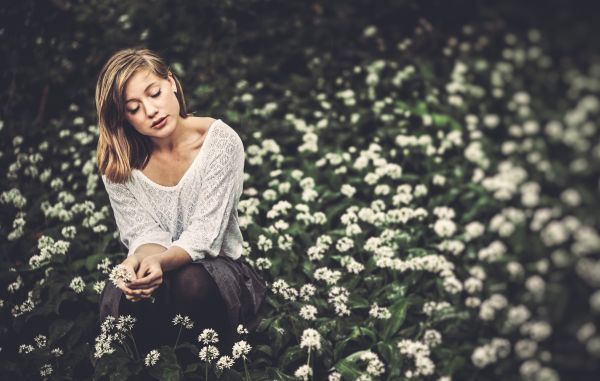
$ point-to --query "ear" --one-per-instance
(172, 82)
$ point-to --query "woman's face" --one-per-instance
(148, 99)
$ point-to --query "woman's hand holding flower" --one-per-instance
(149, 277)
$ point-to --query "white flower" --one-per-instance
(281, 287)
(41, 341)
(125, 323)
(432, 337)
(308, 312)
(184, 321)
(208, 336)
(444, 227)
(242, 330)
(98, 286)
(120, 273)
(379, 312)
(241, 348)
(311, 339)
(348, 190)
(208, 353)
(26, 348)
(46, 370)
(152, 357)
(307, 291)
(77, 284)
(303, 373)
(225, 362)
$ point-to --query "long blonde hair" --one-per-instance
(120, 147)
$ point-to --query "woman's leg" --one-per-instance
(196, 295)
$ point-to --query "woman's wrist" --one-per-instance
(133, 260)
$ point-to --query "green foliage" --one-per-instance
(280, 74)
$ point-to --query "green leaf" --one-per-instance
(356, 301)
(393, 324)
(107, 365)
(92, 261)
(348, 366)
(59, 328)
(290, 356)
(265, 349)
(359, 335)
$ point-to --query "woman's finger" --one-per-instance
(146, 281)
(156, 282)
(126, 289)
(151, 286)
(148, 293)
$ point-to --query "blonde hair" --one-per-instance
(120, 147)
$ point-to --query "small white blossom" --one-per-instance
(208, 336)
(208, 353)
(77, 284)
(303, 372)
(184, 321)
(241, 348)
(152, 357)
(225, 362)
(311, 339)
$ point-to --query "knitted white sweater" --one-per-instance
(199, 214)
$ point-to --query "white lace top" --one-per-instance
(199, 214)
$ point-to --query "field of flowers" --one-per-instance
(421, 200)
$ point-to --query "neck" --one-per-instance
(178, 138)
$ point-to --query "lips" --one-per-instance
(158, 121)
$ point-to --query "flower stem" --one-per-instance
(206, 368)
(134, 345)
(246, 369)
(308, 363)
(176, 341)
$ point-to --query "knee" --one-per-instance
(194, 285)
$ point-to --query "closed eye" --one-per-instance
(153, 96)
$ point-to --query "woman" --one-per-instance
(174, 182)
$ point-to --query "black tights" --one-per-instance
(195, 294)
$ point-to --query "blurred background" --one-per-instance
(490, 108)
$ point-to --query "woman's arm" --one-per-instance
(152, 267)
(148, 249)
(172, 258)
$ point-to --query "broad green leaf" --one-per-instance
(393, 324)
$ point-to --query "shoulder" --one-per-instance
(226, 136)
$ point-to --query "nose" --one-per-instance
(151, 109)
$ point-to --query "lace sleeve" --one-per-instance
(220, 190)
(136, 226)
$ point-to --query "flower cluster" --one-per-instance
(338, 296)
(420, 353)
(152, 357)
(281, 287)
(112, 330)
(119, 274)
(375, 366)
(311, 339)
(184, 321)
(497, 348)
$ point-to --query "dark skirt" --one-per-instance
(242, 290)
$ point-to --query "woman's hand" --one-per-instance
(149, 277)
(132, 264)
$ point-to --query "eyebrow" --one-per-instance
(147, 87)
